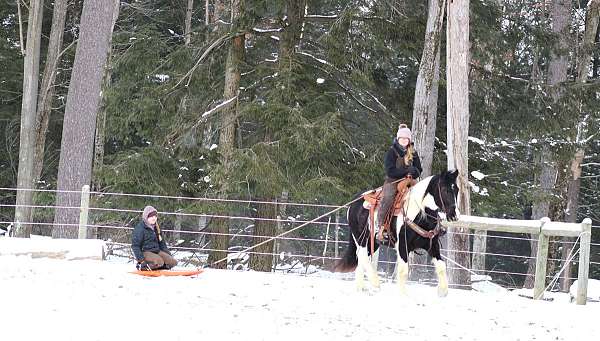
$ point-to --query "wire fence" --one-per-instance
(186, 223)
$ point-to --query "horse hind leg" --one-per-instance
(359, 274)
(440, 270)
(364, 265)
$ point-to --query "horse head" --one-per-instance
(445, 194)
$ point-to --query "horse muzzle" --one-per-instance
(453, 214)
(442, 230)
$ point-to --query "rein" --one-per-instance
(432, 233)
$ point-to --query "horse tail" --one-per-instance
(349, 261)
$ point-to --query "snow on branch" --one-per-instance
(377, 101)
(266, 30)
(219, 107)
(322, 61)
(324, 18)
(321, 17)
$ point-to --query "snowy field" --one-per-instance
(59, 299)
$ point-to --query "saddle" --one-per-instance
(372, 201)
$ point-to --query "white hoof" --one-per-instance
(442, 291)
(361, 288)
(374, 280)
(440, 269)
(401, 278)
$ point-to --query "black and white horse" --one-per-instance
(427, 202)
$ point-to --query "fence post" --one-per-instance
(584, 260)
(83, 211)
(337, 234)
(540, 262)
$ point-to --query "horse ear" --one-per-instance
(452, 175)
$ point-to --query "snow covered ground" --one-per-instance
(60, 299)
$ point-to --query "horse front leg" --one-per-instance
(440, 269)
(401, 265)
(375, 260)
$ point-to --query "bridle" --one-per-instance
(437, 230)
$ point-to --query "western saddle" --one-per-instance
(372, 201)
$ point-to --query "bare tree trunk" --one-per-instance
(99, 139)
(559, 62)
(424, 119)
(457, 65)
(529, 278)
(590, 35)
(289, 39)
(557, 74)
(559, 65)
(31, 67)
(574, 180)
(291, 31)
(262, 257)
(425, 111)
(188, 22)
(541, 206)
(100, 134)
(208, 131)
(207, 19)
(200, 237)
(596, 60)
(176, 236)
(83, 99)
(235, 57)
(220, 14)
(46, 97)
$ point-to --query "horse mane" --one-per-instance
(416, 196)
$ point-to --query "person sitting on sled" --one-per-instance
(401, 162)
(148, 245)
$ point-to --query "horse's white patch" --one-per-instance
(429, 202)
(440, 269)
(416, 198)
(401, 271)
(364, 265)
(399, 223)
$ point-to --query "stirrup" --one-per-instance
(383, 236)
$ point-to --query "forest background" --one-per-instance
(293, 101)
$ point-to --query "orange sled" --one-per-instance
(158, 273)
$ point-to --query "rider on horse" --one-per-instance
(401, 162)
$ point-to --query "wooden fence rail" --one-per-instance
(544, 229)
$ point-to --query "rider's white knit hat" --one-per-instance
(403, 131)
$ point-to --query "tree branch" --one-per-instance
(334, 17)
(212, 46)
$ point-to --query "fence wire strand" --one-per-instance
(289, 221)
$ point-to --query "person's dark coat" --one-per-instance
(146, 237)
(396, 168)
